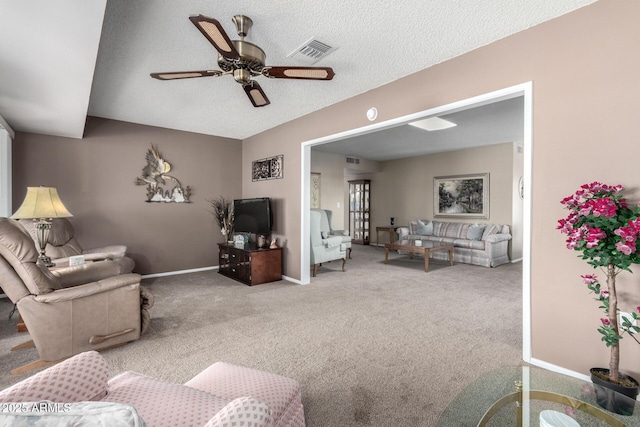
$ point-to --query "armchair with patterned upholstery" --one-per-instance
(69, 310)
(222, 395)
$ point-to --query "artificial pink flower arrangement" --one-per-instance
(605, 229)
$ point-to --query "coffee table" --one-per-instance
(424, 247)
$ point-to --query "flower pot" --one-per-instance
(613, 397)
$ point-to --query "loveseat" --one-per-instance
(486, 245)
(78, 392)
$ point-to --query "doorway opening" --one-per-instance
(525, 91)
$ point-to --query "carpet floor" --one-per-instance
(376, 345)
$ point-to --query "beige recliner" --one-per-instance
(62, 316)
(62, 244)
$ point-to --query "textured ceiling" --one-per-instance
(47, 55)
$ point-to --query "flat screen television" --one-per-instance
(252, 215)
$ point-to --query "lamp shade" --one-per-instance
(41, 202)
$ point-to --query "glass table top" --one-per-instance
(492, 400)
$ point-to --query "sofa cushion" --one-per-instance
(475, 232)
(424, 228)
(456, 230)
(469, 244)
(162, 403)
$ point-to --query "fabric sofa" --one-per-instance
(78, 392)
(486, 245)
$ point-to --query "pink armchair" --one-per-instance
(221, 395)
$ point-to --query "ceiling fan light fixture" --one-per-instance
(243, 59)
(433, 123)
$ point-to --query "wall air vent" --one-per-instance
(312, 51)
(353, 160)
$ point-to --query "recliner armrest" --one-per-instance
(68, 294)
(92, 271)
(113, 251)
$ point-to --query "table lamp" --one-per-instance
(42, 204)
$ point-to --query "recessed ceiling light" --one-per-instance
(433, 123)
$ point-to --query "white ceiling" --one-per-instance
(490, 124)
(50, 79)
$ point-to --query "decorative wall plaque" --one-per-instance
(155, 176)
(269, 168)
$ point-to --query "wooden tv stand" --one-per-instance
(249, 264)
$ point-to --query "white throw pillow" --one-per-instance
(425, 229)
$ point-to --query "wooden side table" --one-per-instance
(391, 229)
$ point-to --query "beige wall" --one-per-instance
(332, 194)
(584, 70)
(404, 188)
(336, 173)
(95, 180)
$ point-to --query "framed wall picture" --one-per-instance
(464, 196)
(269, 168)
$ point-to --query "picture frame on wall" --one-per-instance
(461, 196)
(268, 168)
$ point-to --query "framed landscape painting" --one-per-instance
(464, 196)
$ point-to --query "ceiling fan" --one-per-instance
(243, 60)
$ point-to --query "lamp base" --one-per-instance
(45, 260)
(43, 227)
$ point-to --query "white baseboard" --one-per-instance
(516, 260)
(196, 270)
(554, 368)
(174, 273)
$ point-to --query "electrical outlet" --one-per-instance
(625, 315)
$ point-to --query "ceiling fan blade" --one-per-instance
(307, 73)
(186, 74)
(216, 35)
(256, 94)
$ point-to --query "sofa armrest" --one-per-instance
(339, 233)
(79, 378)
(243, 409)
(495, 238)
(403, 233)
(101, 286)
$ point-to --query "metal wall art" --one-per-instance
(155, 175)
(315, 190)
(465, 196)
(269, 168)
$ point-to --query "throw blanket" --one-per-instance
(45, 413)
(332, 242)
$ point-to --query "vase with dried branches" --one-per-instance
(223, 215)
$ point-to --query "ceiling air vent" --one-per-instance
(312, 51)
(353, 160)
